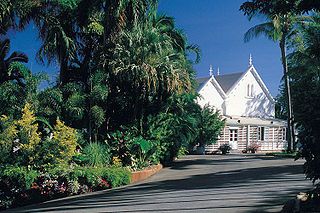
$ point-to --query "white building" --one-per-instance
(248, 107)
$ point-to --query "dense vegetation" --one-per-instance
(124, 97)
(303, 76)
(304, 66)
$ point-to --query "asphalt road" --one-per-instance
(212, 183)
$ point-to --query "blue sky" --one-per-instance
(216, 26)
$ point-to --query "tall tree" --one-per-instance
(57, 29)
(279, 28)
(304, 64)
(149, 64)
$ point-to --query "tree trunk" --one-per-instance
(90, 105)
(288, 94)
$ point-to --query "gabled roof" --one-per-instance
(201, 81)
(261, 83)
(228, 80)
(226, 83)
(204, 80)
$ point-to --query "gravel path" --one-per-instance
(211, 183)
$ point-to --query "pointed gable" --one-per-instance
(228, 80)
(229, 94)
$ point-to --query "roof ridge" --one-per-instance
(229, 74)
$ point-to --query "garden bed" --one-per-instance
(19, 187)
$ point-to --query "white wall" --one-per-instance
(238, 103)
(209, 95)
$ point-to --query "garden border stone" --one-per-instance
(141, 175)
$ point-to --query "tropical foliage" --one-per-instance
(124, 97)
(256, 7)
(301, 71)
(280, 27)
(10, 68)
(304, 72)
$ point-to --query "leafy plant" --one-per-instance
(14, 182)
(209, 126)
(29, 137)
(61, 147)
(304, 72)
(8, 72)
(97, 117)
(253, 148)
(117, 176)
(97, 154)
(224, 148)
(8, 135)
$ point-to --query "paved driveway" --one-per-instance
(212, 183)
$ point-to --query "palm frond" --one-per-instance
(195, 49)
(258, 30)
(18, 69)
(17, 56)
(4, 48)
(44, 121)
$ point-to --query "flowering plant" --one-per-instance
(253, 147)
(48, 188)
(101, 184)
(84, 189)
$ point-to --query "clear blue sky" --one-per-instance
(216, 26)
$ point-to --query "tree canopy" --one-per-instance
(267, 7)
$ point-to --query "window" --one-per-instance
(284, 134)
(233, 135)
(250, 90)
(261, 133)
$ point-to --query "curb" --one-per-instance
(140, 175)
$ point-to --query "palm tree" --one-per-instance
(57, 31)
(6, 16)
(304, 64)
(280, 28)
(10, 69)
(148, 65)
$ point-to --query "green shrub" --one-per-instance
(87, 175)
(97, 154)
(14, 182)
(61, 147)
(225, 148)
(21, 177)
(80, 159)
(117, 176)
(7, 136)
(209, 127)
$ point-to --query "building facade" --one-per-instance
(248, 109)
